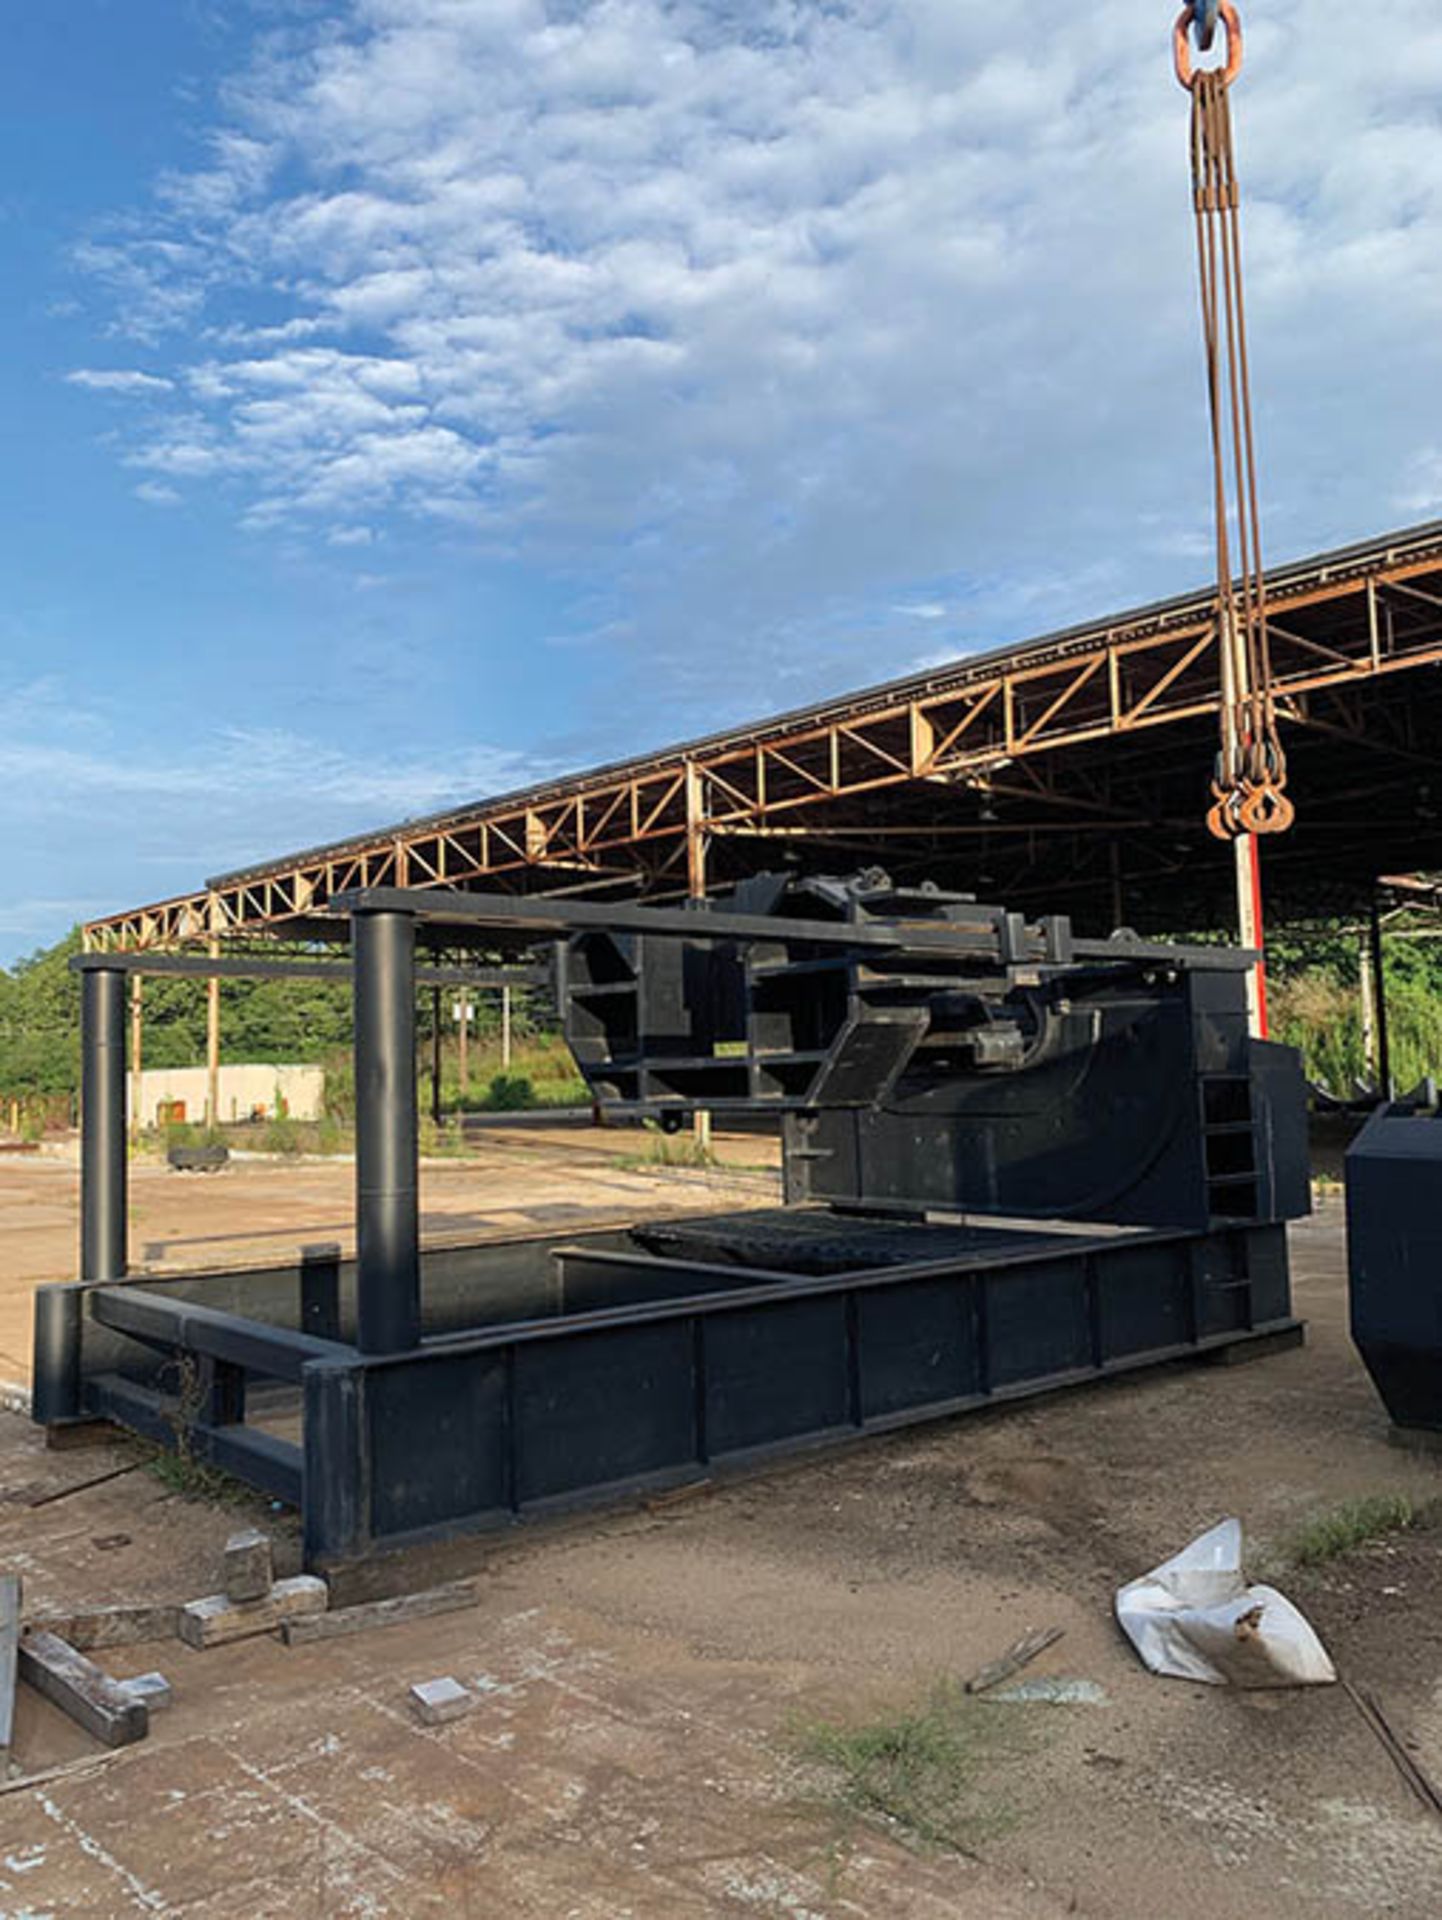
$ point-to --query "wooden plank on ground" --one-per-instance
(112, 1626)
(1020, 1654)
(380, 1613)
(78, 1687)
(9, 1648)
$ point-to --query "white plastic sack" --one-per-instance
(1194, 1618)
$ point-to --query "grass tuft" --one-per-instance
(931, 1771)
(1342, 1529)
(195, 1479)
(664, 1149)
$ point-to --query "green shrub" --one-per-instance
(339, 1096)
(280, 1136)
(510, 1093)
(333, 1137)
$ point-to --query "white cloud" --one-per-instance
(156, 494)
(118, 380)
(37, 922)
(770, 321)
(178, 805)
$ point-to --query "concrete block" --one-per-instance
(249, 1569)
(437, 1701)
(152, 1688)
(218, 1619)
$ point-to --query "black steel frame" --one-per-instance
(404, 1396)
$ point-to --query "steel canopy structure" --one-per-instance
(1072, 768)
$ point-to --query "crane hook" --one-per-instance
(1202, 16)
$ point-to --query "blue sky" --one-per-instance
(407, 398)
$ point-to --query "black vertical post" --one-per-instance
(336, 1438)
(388, 1274)
(436, 1055)
(1384, 1050)
(55, 1386)
(102, 1124)
(320, 1289)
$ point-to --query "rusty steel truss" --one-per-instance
(1102, 731)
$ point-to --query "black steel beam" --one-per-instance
(276, 1352)
(259, 1459)
(545, 918)
(240, 967)
(388, 1271)
(102, 1125)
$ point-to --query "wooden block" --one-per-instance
(78, 1687)
(9, 1649)
(379, 1613)
(64, 1436)
(218, 1619)
(437, 1701)
(113, 1626)
(249, 1572)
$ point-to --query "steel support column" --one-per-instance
(102, 1125)
(387, 1205)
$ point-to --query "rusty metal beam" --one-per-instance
(959, 726)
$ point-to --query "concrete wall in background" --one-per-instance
(179, 1093)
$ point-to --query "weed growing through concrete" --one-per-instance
(183, 1470)
(1353, 1524)
(666, 1150)
(933, 1771)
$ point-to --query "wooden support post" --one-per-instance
(463, 1046)
(505, 1029)
(1251, 927)
(212, 1045)
(1367, 980)
(1384, 1044)
(696, 850)
(436, 1055)
(136, 1053)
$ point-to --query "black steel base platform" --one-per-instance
(551, 1375)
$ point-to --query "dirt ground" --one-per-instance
(260, 1210)
(645, 1677)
